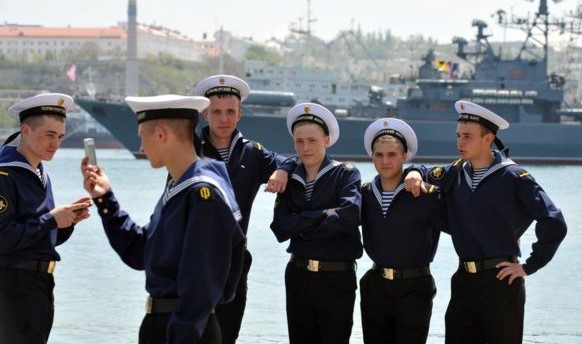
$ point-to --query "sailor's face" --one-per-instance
(310, 143)
(388, 156)
(43, 138)
(149, 144)
(223, 115)
(471, 142)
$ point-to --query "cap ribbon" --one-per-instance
(306, 117)
(147, 115)
(474, 118)
(395, 133)
(222, 90)
(43, 110)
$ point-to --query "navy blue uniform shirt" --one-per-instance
(407, 236)
(313, 234)
(191, 249)
(27, 230)
(488, 222)
(249, 165)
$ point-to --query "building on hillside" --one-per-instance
(57, 43)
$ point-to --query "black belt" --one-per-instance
(318, 265)
(36, 265)
(475, 266)
(161, 305)
(393, 274)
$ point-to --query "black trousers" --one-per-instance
(483, 309)
(154, 327)
(26, 306)
(320, 305)
(230, 314)
(396, 311)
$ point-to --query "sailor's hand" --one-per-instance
(277, 182)
(511, 270)
(68, 215)
(413, 183)
(95, 181)
(83, 213)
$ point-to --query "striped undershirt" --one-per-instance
(224, 153)
(387, 197)
(309, 189)
(478, 174)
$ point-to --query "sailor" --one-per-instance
(491, 201)
(249, 165)
(31, 226)
(192, 248)
(400, 235)
(319, 213)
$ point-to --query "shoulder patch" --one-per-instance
(458, 162)
(436, 173)
(258, 146)
(366, 184)
(3, 204)
(205, 193)
(349, 166)
(522, 173)
(2, 173)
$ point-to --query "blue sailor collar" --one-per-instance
(326, 165)
(500, 161)
(189, 178)
(377, 189)
(236, 136)
(11, 157)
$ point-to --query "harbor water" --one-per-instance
(98, 299)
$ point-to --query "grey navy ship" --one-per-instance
(519, 89)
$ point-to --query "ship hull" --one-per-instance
(528, 142)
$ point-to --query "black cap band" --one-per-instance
(306, 117)
(147, 115)
(222, 90)
(467, 117)
(43, 110)
(394, 133)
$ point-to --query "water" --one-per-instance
(98, 299)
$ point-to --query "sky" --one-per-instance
(263, 19)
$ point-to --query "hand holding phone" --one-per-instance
(89, 144)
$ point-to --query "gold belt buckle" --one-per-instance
(471, 267)
(313, 265)
(51, 266)
(388, 274)
(149, 304)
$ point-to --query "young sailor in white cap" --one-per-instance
(400, 235)
(319, 213)
(249, 165)
(491, 201)
(192, 248)
(31, 226)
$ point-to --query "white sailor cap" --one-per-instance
(472, 112)
(42, 104)
(314, 113)
(393, 127)
(168, 106)
(223, 84)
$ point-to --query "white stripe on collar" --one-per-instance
(502, 164)
(28, 167)
(378, 193)
(168, 194)
(233, 143)
(321, 172)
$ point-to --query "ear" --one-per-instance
(489, 138)
(25, 129)
(327, 140)
(205, 114)
(161, 133)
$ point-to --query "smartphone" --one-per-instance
(89, 144)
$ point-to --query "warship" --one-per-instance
(541, 129)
